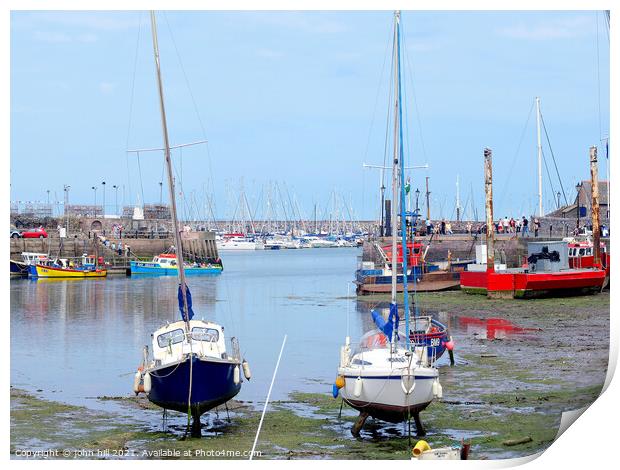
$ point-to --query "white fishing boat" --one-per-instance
(388, 375)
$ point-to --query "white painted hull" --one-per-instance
(390, 393)
(233, 245)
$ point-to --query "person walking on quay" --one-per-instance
(536, 227)
(429, 226)
(443, 227)
(448, 228)
(525, 231)
(468, 227)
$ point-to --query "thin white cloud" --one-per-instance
(106, 87)
(269, 53)
(314, 23)
(553, 29)
(53, 37)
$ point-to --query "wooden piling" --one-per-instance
(488, 191)
(596, 231)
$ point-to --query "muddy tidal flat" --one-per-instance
(519, 365)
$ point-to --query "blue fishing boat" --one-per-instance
(190, 369)
(165, 264)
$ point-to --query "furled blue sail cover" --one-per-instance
(387, 326)
(188, 295)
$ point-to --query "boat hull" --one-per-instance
(528, 285)
(212, 384)
(383, 398)
(18, 268)
(43, 272)
(434, 281)
(144, 267)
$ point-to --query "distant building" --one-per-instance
(584, 199)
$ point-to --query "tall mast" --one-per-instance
(395, 163)
(403, 214)
(540, 197)
(173, 205)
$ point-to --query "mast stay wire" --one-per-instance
(191, 94)
(131, 99)
(553, 157)
(514, 158)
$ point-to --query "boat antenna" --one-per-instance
(171, 192)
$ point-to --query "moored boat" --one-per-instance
(166, 264)
(50, 271)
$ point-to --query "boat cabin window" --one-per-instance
(170, 337)
(582, 251)
(205, 334)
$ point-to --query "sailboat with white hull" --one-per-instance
(190, 370)
(390, 375)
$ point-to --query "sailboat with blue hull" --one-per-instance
(190, 370)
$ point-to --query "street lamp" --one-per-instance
(115, 198)
(94, 188)
(558, 199)
(417, 197)
(103, 184)
(161, 185)
(66, 190)
(579, 185)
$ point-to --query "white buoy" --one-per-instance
(136, 382)
(236, 376)
(147, 382)
(246, 369)
(357, 389)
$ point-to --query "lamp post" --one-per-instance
(94, 188)
(66, 190)
(103, 184)
(417, 197)
(115, 199)
(160, 192)
(558, 199)
(48, 197)
(578, 205)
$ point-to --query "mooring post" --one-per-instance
(488, 191)
(596, 232)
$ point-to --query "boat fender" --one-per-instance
(450, 344)
(147, 383)
(137, 378)
(357, 389)
(236, 375)
(420, 448)
(340, 381)
(335, 390)
(437, 389)
(246, 369)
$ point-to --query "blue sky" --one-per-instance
(301, 98)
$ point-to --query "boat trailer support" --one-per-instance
(359, 424)
(195, 431)
(420, 431)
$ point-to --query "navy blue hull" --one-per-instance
(212, 385)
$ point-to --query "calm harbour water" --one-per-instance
(77, 340)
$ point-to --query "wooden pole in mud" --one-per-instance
(488, 191)
(596, 232)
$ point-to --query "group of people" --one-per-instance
(441, 228)
(516, 226)
(506, 225)
(118, 248)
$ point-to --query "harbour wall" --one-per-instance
(509, 249)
